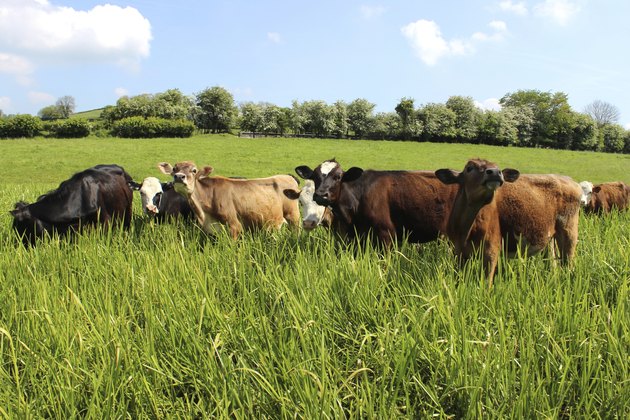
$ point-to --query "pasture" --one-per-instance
(161, 321)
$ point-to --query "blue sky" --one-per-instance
(279, 51)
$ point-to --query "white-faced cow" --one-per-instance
(496, 208)
(97, 195)
(161, 201)
(313, 214)
(603, 198)
(236, 203)
(386, 205)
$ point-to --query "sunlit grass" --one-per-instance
(162, 321)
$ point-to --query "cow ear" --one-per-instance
(292, 194)
(205, 171)
(165, 167)
(597, 189)
(352, 174)
(20, 212)
(304, 172)
(134, 185)
(510, 175)
(447, 176)
(166, 185)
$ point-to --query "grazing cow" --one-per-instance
(313, 214)
(98, 195)
(529, 212)
(160, 200)
(602, 198)
(385, 204)
(238, 203)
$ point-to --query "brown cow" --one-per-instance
(602, 198)
(528, 212)
(238, 203)
(386, 205)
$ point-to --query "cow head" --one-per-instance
(479, 180)
(327, 178)
(151, 191)
(587, 192)
(312, 213)
(185, 175)
(26, 226)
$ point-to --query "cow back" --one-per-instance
(409, 203)
(535, 206)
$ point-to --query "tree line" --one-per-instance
(527, 118)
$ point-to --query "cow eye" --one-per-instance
(194, 170)
(469, 169)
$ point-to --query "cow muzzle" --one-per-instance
(493, 179)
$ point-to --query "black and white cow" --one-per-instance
(313, 214)
(160, 200)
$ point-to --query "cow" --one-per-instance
(161, 201)
(97, 195)
(384, 206)
(502, 208)
(603, 198)
(236, 203)
(313, 214)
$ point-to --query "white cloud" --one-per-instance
(105, 33)
(371, 12)
(559, 11)
(274, 37)
(17, 66)
(5, 103)
(518, 8)
(41, 98)
(499, 31)
(490, 104)
(428, 43)
(120, 92)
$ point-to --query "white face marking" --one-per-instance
(587, 191)
(327, 166)
(150, 187)
(312, 213)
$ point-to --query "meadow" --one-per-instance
(162, 321)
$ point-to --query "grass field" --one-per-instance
(162, 322)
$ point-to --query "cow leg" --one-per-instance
(490, 257)
(567, 238)
(235, 228)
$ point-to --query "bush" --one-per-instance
(22, 125)
(139, 127)
(69, 128)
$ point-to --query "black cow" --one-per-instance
(97, 195)
(159, 199)
(389, 204)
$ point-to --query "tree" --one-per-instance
(467, 117)
(360, 118)
(171, 104)
(66, 106)
(215, 109)
(409, 126)
(49, 113)
(438, 123)
(251, 117)
(340, 119)
(585, 133)
(602, 112)
(551, 114)
(612, 138)
(498, 128)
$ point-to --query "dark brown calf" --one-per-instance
(607, 196)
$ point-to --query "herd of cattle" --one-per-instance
(480, 208)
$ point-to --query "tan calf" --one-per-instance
(236, 203)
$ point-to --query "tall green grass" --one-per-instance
(162, 321)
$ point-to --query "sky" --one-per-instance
(279, 51)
